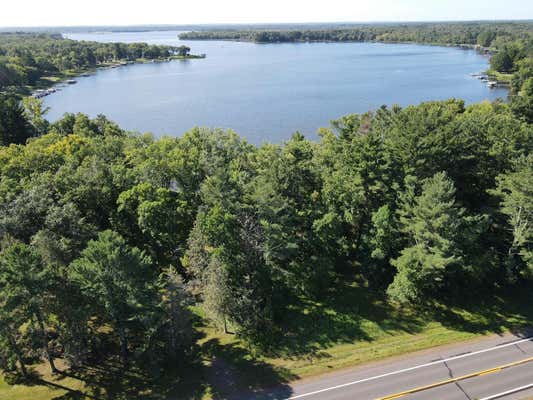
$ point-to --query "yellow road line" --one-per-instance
(453, 380)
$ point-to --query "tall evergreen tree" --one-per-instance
(119, 280)
(25, 285)
(11, 321)
(14, 127)
(431, 222)
(516, 191)
(289, 206)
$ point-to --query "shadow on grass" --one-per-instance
(15, 378)
(109, 381)
(234, 374)
(312, 327)
(234, 379)
(230, 374)
(496, 311)
(349, 314)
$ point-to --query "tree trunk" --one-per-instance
(123, 343)
(362, 223)
(44, 334)
(225, 325)
(18, 353)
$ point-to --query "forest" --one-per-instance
(451, 33)
(121, 249)
(109, 237)
(25, 58)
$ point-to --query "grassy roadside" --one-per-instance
(351, 327)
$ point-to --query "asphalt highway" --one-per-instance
(499, 367)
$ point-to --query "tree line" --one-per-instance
(510, 44)
(27, 57)
(485, 34)
(108, 237)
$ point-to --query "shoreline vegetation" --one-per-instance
(466, 34)
(38, 61)
(507, 43)
(51, 84)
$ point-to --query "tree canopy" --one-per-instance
(109, 239)
(422, 202)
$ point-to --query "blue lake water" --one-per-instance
(266, 92)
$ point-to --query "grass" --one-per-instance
(43, 387)
(105, 380)
(352, 326)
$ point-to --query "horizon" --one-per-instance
(74, 13)
(270, 24)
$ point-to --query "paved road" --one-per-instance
(472, 371)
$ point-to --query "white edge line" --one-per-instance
(502, 346)
(516, 390)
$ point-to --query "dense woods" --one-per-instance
(108, 236)
(27, 57)
(485, 34)
(114, 244)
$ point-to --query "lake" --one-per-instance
(265, 92)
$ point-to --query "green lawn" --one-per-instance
(47, 388)
(351, 327)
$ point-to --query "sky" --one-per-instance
(136, 12)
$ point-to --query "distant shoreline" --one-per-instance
(50, 82)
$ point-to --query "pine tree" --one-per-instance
(218, 296)
(431, 222)
(516, 190)
(25, 284)
(14, 127)
(118, 278)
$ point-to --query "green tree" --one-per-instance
(358, 179)
(35, 112)
(218, 294)
(155, 219)
(383, 242)
(178, 333)
(516, 191)
(506, 59)
(169, 333)
(432, 223)
(289, 205)
(237, 285)
(14, 127)
(11, 321)
(183, 51)
(522, 104)
(25, 285)
(485, 38)
(119, 279)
